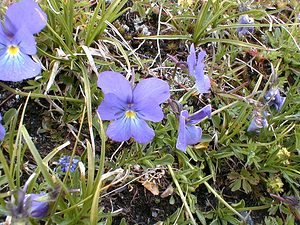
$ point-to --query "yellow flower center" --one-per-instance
(130, 114)
(13, 50)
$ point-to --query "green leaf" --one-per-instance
(236, 185)
(165, 160)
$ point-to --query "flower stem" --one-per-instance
(222, 200)
(35, 95)
(181, 195)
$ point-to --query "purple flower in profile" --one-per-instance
(196, 69)
(28, 205)
(245, 19)
(128, 107)
(258, 122)
(188, 133)
(65, 163)
(274, 98)
(37, 205)
(2, 130)
(17, 43)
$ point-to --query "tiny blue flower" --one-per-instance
(64, 162)
(245, 19)
(188, 132)
(274, 98)
(196, 69)
(2, 130)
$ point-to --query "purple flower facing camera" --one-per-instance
(17, 44)
(129, 107)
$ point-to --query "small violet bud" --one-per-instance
(274, 98)
(64, 162)
(245, 19)
(38, 205)
(28, 206)
(259, 121)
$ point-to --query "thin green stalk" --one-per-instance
(34, 95)
(255, 208)
(182, 195)
(95, 204)
(218, 197)
(36, 156)
(222, 200)
(6, 171)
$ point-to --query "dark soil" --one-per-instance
(139, 206)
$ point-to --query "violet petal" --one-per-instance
(200, 115)
(25, 13)
(18, 67)
(193, 134)
(120, 129)
(150, 91)
(141, 132)
(151, 112)
(115, 83)
(37, 207)
(111, 107)
(25, 40)
(181, 143)
(191, 60)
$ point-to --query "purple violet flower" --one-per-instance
(37, 205)
(245, 19)
(28, 205)
(188, 133)
(274, 98)
(259, 121)
(17, 43)
(196, 69)
(2, 130)
(64, 162)
(128, 107)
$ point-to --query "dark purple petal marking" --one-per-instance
(111, 107)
